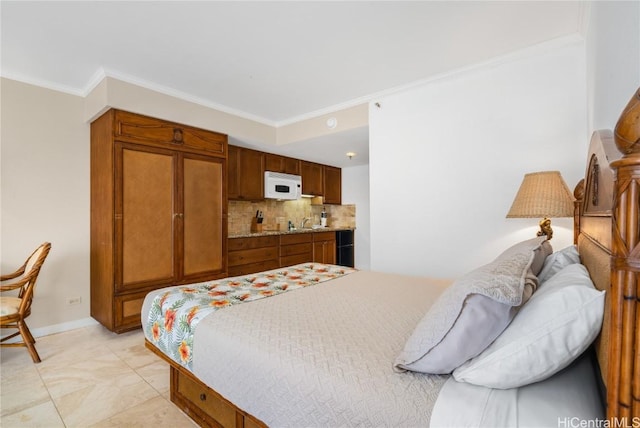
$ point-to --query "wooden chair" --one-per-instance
(14, 310)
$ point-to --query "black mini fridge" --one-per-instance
(344, 248)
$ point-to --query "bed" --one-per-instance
(323, 345)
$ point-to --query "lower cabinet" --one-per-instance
(253, 254)
(127, 309)
(324, 247)
(259, 253)
(296, 248)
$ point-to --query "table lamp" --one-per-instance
(542, 194)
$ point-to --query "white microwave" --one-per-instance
(282, 186)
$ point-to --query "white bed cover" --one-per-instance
(567, 399)
(322, 356)
(283, 381)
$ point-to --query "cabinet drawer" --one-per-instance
(296, 238)
(289, 250)
(236, 244)
(296, 259)
(201, 398)
(324, 236)
(143, 129)
(127, 311)
(253, 267)
(254, 255)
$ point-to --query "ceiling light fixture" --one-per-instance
(350, 155)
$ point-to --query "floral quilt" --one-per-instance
(175, 313)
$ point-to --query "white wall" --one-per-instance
(447, 158)
(613, 60)
(45, 197)
(355, 190)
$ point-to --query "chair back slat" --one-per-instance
(34, 259)
(23, 280)
(31, 272)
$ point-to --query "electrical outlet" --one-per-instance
(74, 300)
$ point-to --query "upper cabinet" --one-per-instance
(322, 180)
(246, 169)
(312, 178)
(332, 185)
(245, 174)
(283, 164)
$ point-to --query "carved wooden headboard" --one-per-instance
(607, 233)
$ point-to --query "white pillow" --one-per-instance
(558, 260)
(553, 328)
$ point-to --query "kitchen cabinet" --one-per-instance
(158, 211)
(324, 247)
(232, 172)
(246, 169)
(322, 180)
(245, 174)
(312, 178)
(253, 254)
(258, 253)
(332, 185)
(283, 164)
(296, 248)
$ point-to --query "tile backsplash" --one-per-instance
(278, 213)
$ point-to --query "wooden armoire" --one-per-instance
(158, 211)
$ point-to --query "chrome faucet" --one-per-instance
(304, 220)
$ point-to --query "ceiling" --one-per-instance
(273, 62)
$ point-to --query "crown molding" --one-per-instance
(103, 73)
(42, 83)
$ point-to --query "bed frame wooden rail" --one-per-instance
(201, 403)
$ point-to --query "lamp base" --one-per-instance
(545, 228)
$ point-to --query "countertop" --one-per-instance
(287, 232)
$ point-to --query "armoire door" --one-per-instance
(203, 217)
(144, 216)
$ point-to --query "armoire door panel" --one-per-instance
(203, 219)
(147, 217)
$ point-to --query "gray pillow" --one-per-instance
(541, 255)
(472, 312)
(557, 261)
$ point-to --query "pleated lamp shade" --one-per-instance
(542, 194)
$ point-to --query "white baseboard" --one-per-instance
(57, 328)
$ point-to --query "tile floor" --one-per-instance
(88, 377)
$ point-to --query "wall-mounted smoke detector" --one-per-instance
(332, 122)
